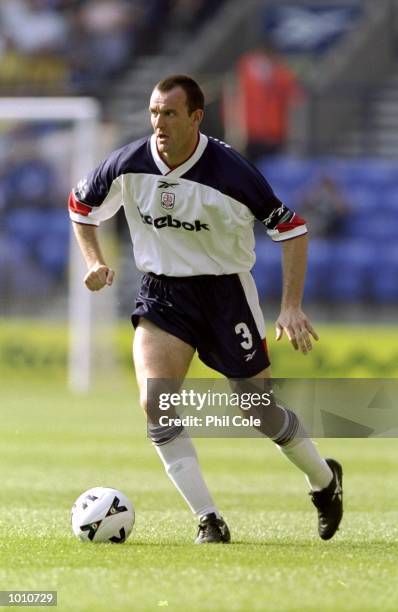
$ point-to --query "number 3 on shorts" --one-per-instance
(243, 330)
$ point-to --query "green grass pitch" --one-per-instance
(55, 445)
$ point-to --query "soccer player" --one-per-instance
(190, 202)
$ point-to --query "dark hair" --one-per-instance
(194, 94)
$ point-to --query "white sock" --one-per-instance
(303, 453)
(182, 466)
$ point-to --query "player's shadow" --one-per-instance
(234, 543)
(314, 543)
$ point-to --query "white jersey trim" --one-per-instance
(82, 219)
(293, 233)
(183, 168)
(251, 294)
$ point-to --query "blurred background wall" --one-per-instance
(307, 89)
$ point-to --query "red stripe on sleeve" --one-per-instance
(78, 207)
(294, 222)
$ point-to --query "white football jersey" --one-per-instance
(191, 220)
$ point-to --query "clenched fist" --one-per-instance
(98, 276)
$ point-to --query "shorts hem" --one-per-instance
(249, 374)
(159, 323)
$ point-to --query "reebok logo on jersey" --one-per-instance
(166, 185)
(170, 221)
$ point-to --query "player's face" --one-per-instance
(176, 130)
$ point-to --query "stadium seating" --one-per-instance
(388, 199)
(361, 263)
(267, 271)
(52, 254)
(348, 281)
(286, 172)
(25, 226)
(39, 237)
(384, 277)
(320, 267)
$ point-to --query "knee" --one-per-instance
(149, 403)
(152, 400)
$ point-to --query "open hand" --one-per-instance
(298, 329)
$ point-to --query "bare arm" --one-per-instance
(292, 319)
(99, 274)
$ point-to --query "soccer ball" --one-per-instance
(102, 514)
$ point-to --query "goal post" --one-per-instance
(83, 114)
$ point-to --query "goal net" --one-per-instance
(68, 129)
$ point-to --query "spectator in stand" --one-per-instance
(325, 207)
(32, 46)
(33, 26)
(267, 90)
(78, 46)
(103, 40)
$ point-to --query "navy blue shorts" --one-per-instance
(219, 316)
